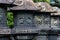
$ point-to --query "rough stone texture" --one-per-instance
(30, 5)
(26, 30)
(45, 7)
(52, 37)
(5, 31)
(4, 38)
(21, 2)
(57, 11)
(55, 22)
(6, 1)
(40, 38)
(3, 18)
(24, 37)
(25, 5)
(58, 37)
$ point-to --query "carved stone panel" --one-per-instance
(55, 22)
(46, 19)
(42, 20)
(38, 19)
(28, 20)
(24, 19)
(20, 19)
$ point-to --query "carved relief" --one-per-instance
(42, 19)
(28, 18)
(54, 22)
(38, 19)
(18, 2)
(20, 19)
(46, 19)
(24, 19)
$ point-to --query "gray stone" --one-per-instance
(6, 38)
(30, 5)
(24, 37)
(52, 37)
(5, 31)
(55, 23)
(45, 7)
(40, 38)
(3, 18)
(6, 1)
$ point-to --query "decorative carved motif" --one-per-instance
(42, 19)
(18, 2)
(38, 19)
(24, 19)
(55, 22)
(46, 19)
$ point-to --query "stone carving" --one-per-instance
(18, 2)
(44, 7)
(38, 20)
(57, 11)
(55, 22)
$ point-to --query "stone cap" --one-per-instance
(24, 5)
(30, 5)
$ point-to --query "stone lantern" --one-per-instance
(31, 20)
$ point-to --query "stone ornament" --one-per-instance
(18, 2)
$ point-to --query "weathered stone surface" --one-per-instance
(55, 23)
(5, 31)
(57, 11)
(24, 37)
(45, 7)
(58, 37)
(26, 30)
(21, 2)
(4, 38)
(40, 38)
(24, 5)
(30, 5)
(6, 1)
(52, 37)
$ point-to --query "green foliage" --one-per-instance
(10, 19)
(48, 1)
(57, 1)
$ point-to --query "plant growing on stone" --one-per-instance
(10, 19)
